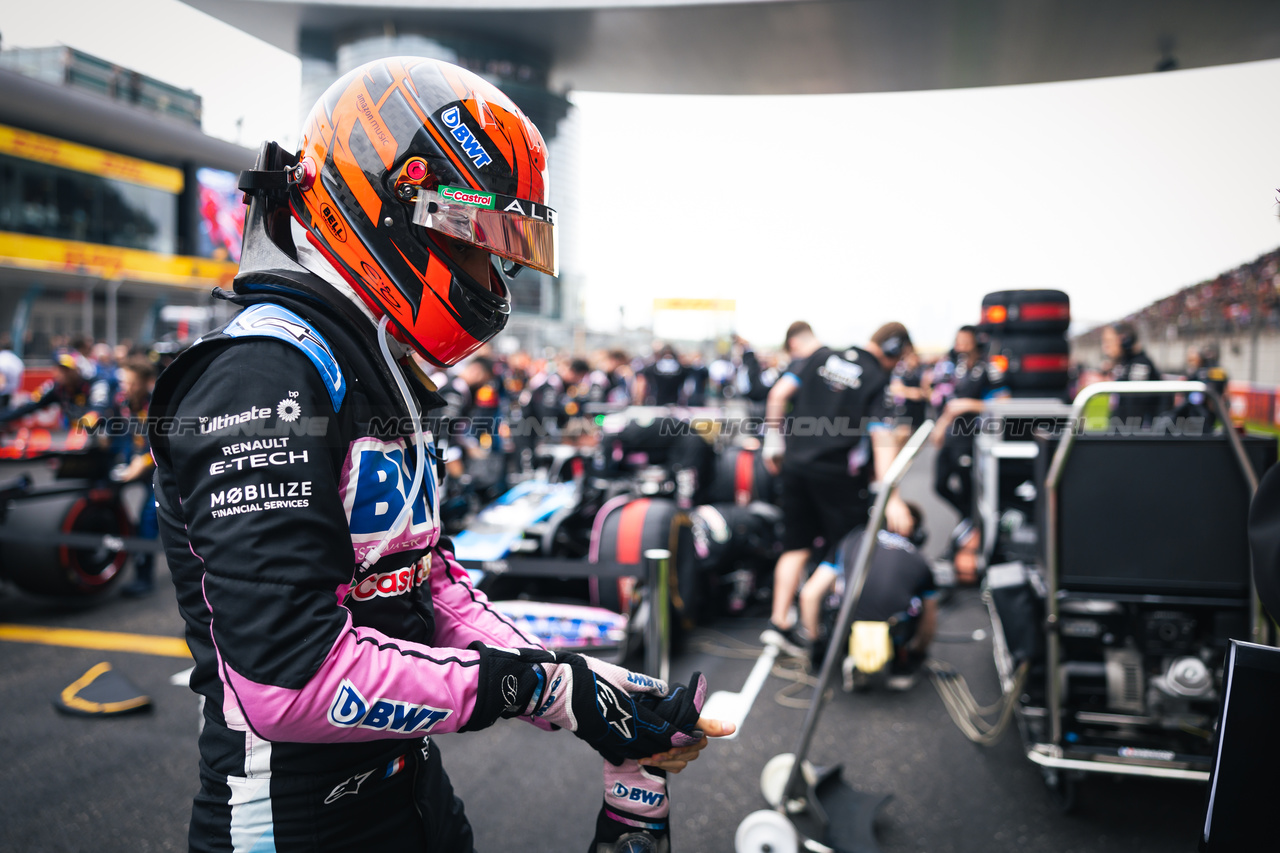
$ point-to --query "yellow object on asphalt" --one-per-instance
(870, 646)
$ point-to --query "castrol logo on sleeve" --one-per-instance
(389, 584)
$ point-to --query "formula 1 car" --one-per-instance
(577, 532)
(67, 537)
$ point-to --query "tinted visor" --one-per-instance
(516, 229)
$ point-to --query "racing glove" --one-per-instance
(622, 714)
(635, 810)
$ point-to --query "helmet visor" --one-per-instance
(519, 230)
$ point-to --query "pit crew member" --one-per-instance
(1126, 362)
(899, 591)
(953, 433)
(826, 474)
(84, 395)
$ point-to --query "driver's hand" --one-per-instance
(897, 516)
(678, 757)
(940, 431)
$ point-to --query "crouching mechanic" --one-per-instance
(331, 626)
(896, 615)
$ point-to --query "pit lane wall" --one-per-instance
(1250, 355)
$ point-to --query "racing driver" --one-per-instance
(332, 629)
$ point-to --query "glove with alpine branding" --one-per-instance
(635, 810)
(622, 714)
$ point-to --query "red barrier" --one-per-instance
(1254, 405)
(34, 377)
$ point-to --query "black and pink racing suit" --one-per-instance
(284, 456)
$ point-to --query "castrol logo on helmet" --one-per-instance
(391, 584)
(465, 196)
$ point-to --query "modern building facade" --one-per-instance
(117, 214)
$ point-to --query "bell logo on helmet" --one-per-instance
(335, 227)
(471, 146)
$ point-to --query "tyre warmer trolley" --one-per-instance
(1063, 756)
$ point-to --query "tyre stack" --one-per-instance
(1028, 352)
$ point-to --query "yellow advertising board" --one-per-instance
(677, 304)
(111, 262)
(93, 161)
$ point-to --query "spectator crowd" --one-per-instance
(1243, 298)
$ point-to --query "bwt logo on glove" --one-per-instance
(637, 795)
(351, 710)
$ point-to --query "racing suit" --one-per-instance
(284, 454)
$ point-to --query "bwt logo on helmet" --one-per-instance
(350, 710)
(452, 118)
(637, 795)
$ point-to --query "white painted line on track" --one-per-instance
(734, 707)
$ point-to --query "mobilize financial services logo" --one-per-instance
(351, 710)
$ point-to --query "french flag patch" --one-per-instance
(396, 765)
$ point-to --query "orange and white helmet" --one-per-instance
(407, 167)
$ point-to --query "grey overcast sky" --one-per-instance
(846, 210)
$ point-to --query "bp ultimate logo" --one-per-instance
(374, 485)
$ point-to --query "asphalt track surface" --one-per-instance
(125, 783)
